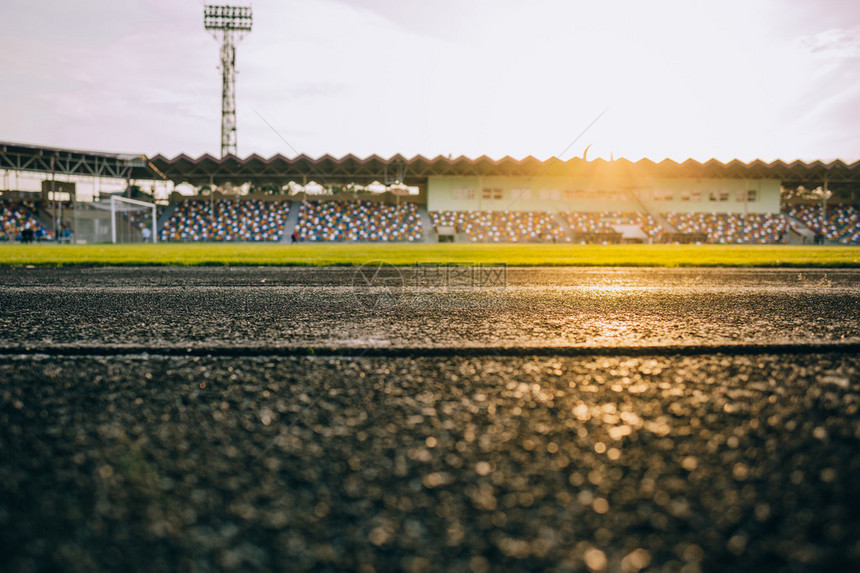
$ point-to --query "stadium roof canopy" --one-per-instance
(23, 157)
(280, 170)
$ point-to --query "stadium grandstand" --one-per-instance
(837, 223)
(358, 221)
(226, 220)
(502, 226)
(17, 218)
(460, 199)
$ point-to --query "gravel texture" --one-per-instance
(488, 461)
(674, 463)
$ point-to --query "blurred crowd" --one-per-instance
(840, 224)
(18, 222)
(142, 218)
(587, 223)
(358, 221)
(255, 220)
(226, 220)
(649, 225)
(538, 226)
(732, 227)
(502, 226)
(602, 222)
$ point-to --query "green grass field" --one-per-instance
(405, 254)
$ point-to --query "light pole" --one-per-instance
(228, 24)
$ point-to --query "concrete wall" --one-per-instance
(555, 194)
(713, 196)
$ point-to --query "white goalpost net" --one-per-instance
(132, 221)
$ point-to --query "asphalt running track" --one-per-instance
(429, 419)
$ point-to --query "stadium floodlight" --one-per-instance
(228, 25)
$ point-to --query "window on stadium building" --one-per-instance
(524, 194)
(724, 196)
(578, 194)
(685, 195)
(492, 193)
(752, 195)
(695, 196)
(465, 193)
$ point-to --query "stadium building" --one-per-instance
(424, 200)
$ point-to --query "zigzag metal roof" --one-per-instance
(279, 170)
(349, 168)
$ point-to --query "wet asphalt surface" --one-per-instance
(421, 419)
(393, 308)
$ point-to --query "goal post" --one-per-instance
(125, 205)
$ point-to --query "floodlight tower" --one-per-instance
(228, 25)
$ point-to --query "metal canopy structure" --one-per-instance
(22, 157)
(280, 170)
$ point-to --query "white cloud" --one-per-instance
(833, 43)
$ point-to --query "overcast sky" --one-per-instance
(768, 79)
